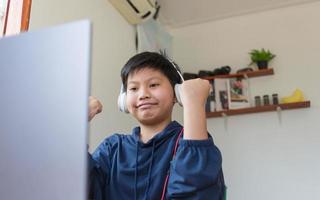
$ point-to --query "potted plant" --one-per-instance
(261, 57)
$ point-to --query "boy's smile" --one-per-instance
(150, 97)
(146, 105)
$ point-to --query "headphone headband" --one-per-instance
(176, 68)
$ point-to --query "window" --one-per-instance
(3, 6)
(14, 16)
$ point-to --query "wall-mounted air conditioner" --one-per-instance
(135, 11)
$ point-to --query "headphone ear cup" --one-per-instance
(122, 104)
(177, 93)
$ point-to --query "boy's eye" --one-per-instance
(154, 85)
(132, 89)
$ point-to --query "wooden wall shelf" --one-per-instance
(268, 108)
(256, 73)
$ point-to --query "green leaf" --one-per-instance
(260, 55)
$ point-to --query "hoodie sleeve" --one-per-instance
(196, 171)
(98, 170)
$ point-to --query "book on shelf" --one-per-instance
(210, 104)
(238, 93)
(229, 93)
(221, 94)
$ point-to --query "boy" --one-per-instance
(160, 159)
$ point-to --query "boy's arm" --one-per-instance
(194, 94)
(99, 165)
(196, 170)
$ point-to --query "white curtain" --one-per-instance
(153, 37)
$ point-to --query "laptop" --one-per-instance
(44, 87)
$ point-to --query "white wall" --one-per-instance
(264, 159)
(113, 45)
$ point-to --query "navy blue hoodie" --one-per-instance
(124, 168)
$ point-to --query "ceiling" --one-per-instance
(179, 13)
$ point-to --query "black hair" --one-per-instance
(152, 60)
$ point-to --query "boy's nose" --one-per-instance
(144, 93)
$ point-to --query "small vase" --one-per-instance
(262, 64)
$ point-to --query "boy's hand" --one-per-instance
(194, 92)
(95, 107)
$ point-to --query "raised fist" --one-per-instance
(95, 107)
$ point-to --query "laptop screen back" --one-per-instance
(44, 88)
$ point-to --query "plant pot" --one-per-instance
(262, 64)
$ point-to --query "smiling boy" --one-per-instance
(160, 159)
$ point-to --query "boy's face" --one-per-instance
(150, 97)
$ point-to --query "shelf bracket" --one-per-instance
(225, 121)
(279, 113)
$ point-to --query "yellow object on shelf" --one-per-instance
(297, 96)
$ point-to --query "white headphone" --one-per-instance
(122, 98)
